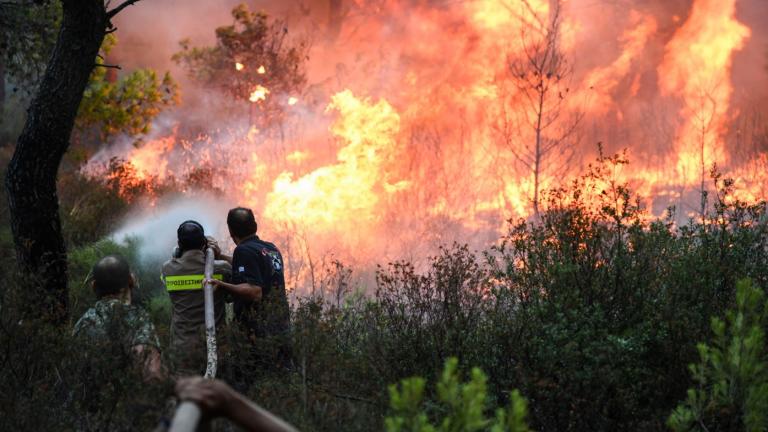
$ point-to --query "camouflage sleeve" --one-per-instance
(85, 322)
(144, 330)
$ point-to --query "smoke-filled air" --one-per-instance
(404, 125)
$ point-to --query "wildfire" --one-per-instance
(343, 194)
(697, 69)
(603, 81)
(412, 131)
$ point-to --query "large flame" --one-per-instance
(411, 131)
(697, 68)
(346, 193)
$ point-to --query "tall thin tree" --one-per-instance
(541, 74)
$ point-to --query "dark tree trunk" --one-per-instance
(31, 177)
(2, 83)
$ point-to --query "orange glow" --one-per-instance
(696, 68)
(259, 94)
(344, 192)
(603, 81)
(412, 130)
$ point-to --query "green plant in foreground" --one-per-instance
(462, 406)
(732, 375)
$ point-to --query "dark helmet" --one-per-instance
(191, 235)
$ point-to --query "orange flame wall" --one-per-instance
(412, 128)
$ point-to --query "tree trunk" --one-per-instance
(537, 150)
(31, 177)
(2, 84)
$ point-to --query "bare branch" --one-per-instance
(108, 66)
(522, 159)
(111, 14)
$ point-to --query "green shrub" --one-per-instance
(460, 407)
(592, 312)
(732, 375)
(53, 381)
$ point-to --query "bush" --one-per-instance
(732, 375)
(53, 381)
(592, 311)
(90, 209)
(460, 406)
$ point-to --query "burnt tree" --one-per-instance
(31, 177)
(541, 74)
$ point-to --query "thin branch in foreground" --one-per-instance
(120, 7)
(109, 66)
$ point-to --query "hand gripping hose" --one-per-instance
(188, 414)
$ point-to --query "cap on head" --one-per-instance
(241, 222)
(191, 235)
(111, 275)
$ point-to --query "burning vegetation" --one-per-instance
(422, 124)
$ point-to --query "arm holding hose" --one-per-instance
(216, 399)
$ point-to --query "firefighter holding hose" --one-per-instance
(258, 289)
(183, 277)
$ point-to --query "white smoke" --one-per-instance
(155, 227)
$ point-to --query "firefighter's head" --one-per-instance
(111, 276)
(241, 223)
(191, 236)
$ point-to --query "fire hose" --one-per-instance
(188, 414)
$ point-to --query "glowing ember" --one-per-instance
(259, 94)
(261, 70)
(239, 66)
(292, 100)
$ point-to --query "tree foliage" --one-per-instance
(125, 105)
(463, 406)
(110, 105)
(253, 61)
(732, 375)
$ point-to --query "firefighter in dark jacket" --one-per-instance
(183, 277)
(258, 285)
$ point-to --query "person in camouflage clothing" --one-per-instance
(113, 323)
(118, 381)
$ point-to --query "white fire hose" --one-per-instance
(188, 414)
